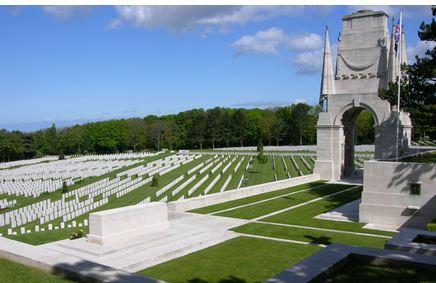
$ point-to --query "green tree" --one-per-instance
(418, 88)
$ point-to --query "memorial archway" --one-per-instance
(349, 122)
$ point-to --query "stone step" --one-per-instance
(174, 236)
(159, 254)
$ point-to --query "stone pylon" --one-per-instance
(392, 60)
(327, 77)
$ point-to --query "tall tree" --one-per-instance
(418, 88)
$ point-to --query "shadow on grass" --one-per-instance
(87, 271)
(319, 240)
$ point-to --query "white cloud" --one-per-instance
(67, 12)
(302, 42)
(262, 104)
(209, 17)
(247, 14)
(115, 24)
(300, 100)
(266, 41)
(309, 62)
(174, 17)
(269, 41)
(419, 50)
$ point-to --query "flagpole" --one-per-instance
(399, 84)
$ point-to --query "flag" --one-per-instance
(397, 36)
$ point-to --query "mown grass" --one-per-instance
(310, 235)
(260, 173)
(12, 272)
(241, 259)
(255, 198)
(259, 209)
(305, 215)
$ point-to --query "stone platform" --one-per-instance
(348, 212)
(186, 233)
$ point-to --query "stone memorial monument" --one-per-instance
(365, 63)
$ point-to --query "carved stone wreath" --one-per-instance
(355, 67)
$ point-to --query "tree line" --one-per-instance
(193, 129)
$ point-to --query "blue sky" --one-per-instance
(75, 64)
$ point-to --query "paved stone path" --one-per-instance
(324, 229)
(282, 240)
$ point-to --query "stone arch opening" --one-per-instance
(351, 120)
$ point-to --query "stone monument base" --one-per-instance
(124, 224)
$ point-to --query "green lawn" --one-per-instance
(423, 158)
(12, 272)
(257, 210)
(309, 235)
(304, 215)
(240, 260)
(259, 197)
(260, 173)
(357, 272)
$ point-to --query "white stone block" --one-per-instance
(74, 224)
(69, 226)
(50, 227)
(36, 228)
(120, 225)
(42, 229)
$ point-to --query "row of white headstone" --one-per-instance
(50, 227)
(5, 165)
(70, 206)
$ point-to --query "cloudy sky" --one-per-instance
(72, 64)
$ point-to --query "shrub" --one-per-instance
(260, 146)
(38, 154)
(77, 234)
(64, 189)
(431, 226)
(155, 181)
(261, 158)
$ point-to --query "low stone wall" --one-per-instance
(387, 199)
(201, 201)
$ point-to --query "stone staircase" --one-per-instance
(186, 234)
